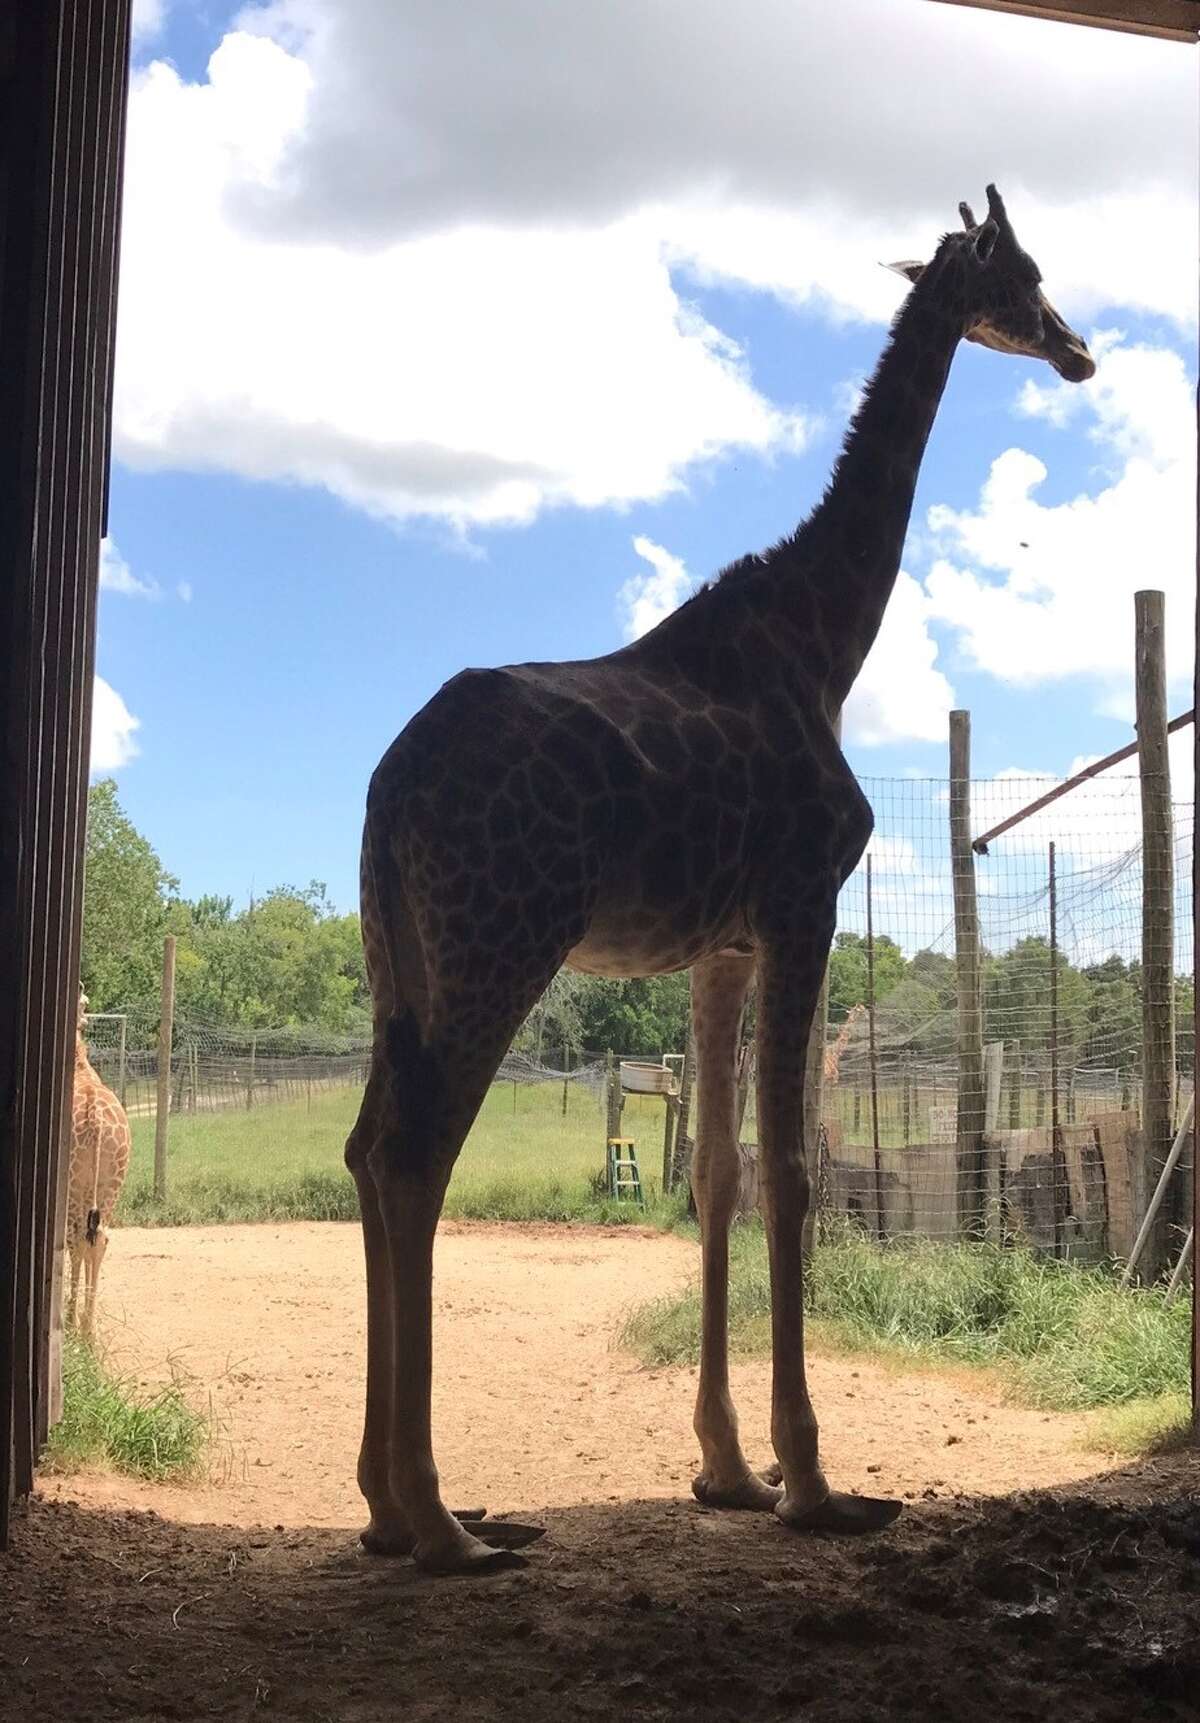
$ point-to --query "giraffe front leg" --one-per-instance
(719, 987)
(789, 984)
(387, 1532)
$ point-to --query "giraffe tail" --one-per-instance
(91, 1230)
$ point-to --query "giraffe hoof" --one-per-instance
(385, 1540)
(501, 1534)
(752, 1493)
(851, 1516)
(470, 1555)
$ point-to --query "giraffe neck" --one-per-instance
(846, 556)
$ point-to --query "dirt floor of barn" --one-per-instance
(1026, 1579)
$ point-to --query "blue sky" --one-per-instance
(304, 604)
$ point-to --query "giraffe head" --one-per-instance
(1005, 308)
(81, 1015)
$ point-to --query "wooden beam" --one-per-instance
(1171, 20)
(1158, 922)
(981, 843)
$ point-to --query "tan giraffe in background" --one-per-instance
(99, 1161)
(833, 1053)
(682, 803)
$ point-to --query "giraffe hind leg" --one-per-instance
(94, 1252)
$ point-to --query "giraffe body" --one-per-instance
(831, 1070)
(98, 1163)
(681, 803)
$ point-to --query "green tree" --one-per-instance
(644, 1017)
(1114, 1012)
(127, 894)
(848, 971)
(288, 959)
(1016, 999)
(556, 1021)
(936, 971)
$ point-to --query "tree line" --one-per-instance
(290, 958)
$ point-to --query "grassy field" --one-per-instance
(525, 1159)
(1063, 1337)
(110, 1421)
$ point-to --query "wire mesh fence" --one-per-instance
(1060, 902)
(1057, 1157)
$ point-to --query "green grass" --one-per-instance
(1155, 1426)
(1064, 1337)
(525, 1159)
(109, 1421)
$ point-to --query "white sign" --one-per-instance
(943, 1124)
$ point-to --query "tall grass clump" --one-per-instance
(108, 1421)
(1067, 1337)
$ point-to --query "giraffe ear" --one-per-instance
(968, 216)
(910, 270)
(985, 241)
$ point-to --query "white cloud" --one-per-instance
(149, 16)
(645, 599)
(785, 144)
(422, 258)
(183, 591)
(1098, 822)
(477, 375)
(113, 727)
(891, 855)
(1040, 591)
(117, 576)
(900, 694)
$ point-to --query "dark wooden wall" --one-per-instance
(63, 86)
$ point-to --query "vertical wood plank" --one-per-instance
(1158, 925)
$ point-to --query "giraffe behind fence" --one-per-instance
(99, 1161)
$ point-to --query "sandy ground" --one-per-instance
(1026, 1579)
(534, 1405)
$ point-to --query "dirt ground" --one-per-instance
(1026, 1579)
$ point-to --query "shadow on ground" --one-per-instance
(1083, 1603)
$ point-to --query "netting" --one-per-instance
(1060, 901)
(1062, 985)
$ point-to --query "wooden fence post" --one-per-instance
(872, 1060)
(683, 1115)
(166, 1027)
(970, 981)
(1158, 931)
(993, 1079)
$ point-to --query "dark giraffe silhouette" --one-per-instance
(681, 803)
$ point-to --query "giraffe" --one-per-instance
(99, 1160)
(833, 1054)
(682, 802)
